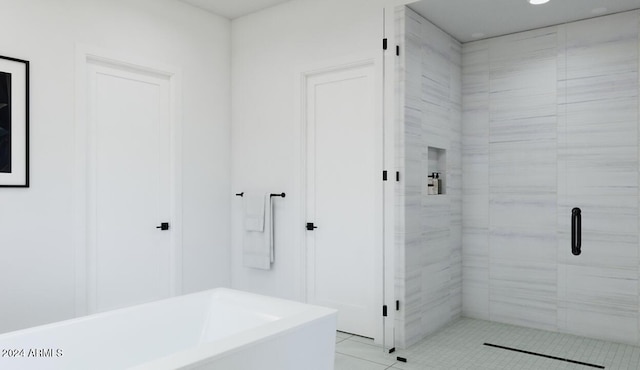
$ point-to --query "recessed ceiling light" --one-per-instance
(538, 2)
(477, 35)
(599, 10)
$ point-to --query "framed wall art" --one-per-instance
(14, 122)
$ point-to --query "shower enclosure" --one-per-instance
(535, 137)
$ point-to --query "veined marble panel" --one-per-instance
(523, 178)
(523, 167)
(612, 214)
(523, 276)
(475, 77)
(523, 292)
(600, 302)
(608, 131)
(521, 210)
(598, 172)
(475, 269)
(600, 249)
(516, 244)
(475, 179)
(551, 122)
(475, 152)
(432, 225)
(436, 83)
(475, 302)
(476, 243)
(520, 109)
(529, 129)
(475, 96)
(475, 272)
(523, 46)
(599, 87)
(455, 282)
(476, 212)
(602, 31)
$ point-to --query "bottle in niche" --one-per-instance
(429, 185)
(436, 183)
(440, 184)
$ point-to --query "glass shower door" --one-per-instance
(598, 178)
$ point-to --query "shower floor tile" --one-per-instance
(461, 346)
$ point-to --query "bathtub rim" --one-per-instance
(139, 306)
(207, 352)
(201, 352)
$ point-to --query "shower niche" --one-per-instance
(436, 171)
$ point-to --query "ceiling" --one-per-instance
(233, 8)
(469, 20)
(465, 20)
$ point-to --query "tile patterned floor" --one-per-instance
(460, 346)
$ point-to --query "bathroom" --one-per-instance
(512, 187)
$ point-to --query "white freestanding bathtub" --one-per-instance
(216, 329)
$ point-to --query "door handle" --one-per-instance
(576, 231)
(311, 226)
(163, 226)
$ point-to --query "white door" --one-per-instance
(342, 196)
(128, 187)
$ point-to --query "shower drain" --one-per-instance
(546, 356)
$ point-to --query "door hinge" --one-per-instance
(384, 311)
(398, 176)
(398, 50)
(384, 44)
(397, 305)
(384, 175)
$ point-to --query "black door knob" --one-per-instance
(163, 226)
(311, 226)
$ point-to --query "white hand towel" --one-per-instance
(257, 249)
(254, 206)
(270, 225)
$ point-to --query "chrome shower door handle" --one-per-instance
(576, 231)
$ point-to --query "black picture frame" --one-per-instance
(14, 123)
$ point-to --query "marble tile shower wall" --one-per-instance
(429, 227)
(510, 187)
(550, 122)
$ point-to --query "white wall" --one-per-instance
(269, 47)
(37, 265)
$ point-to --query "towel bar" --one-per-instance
(272, 195)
